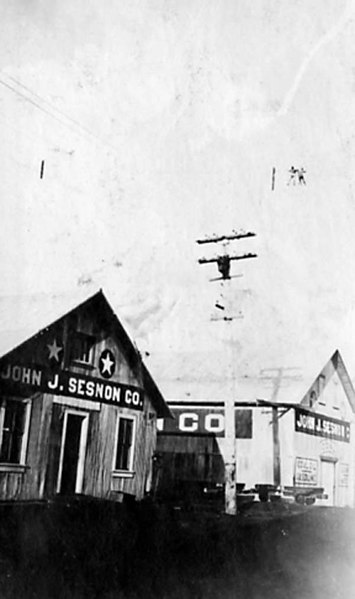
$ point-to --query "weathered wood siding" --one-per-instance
(98, 478)
(29, 484)
(55, 434)
(38, 479)
(11, 484)
(189, 458)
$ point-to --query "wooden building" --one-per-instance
(299, 446)
(78, 407)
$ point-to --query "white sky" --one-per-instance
(159, 122)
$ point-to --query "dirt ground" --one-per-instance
(99, 550)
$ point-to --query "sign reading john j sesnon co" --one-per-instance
(321, 426)
(25, 380)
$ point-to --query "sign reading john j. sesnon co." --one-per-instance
(321, 426)
(25, 380)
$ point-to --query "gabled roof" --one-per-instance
(22, 318)
(334, 364)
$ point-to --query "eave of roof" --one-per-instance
(242, 403)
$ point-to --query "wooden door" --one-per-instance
(328, 481)
(73, 449)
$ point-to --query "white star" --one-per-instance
(54, 350)
(107, 364)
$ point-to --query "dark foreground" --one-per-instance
(102, 550)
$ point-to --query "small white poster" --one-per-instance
(343, 475)
(306, 472)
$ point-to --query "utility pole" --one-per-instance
(276, 376)
(223, 262)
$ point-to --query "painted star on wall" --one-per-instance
(107, 363)
(54, 350)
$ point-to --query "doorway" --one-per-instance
(72, 452)
(328, 480)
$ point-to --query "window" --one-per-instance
(14, 423)
(312, 398)
(82, 348)
(337, 394)
(125, 443)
